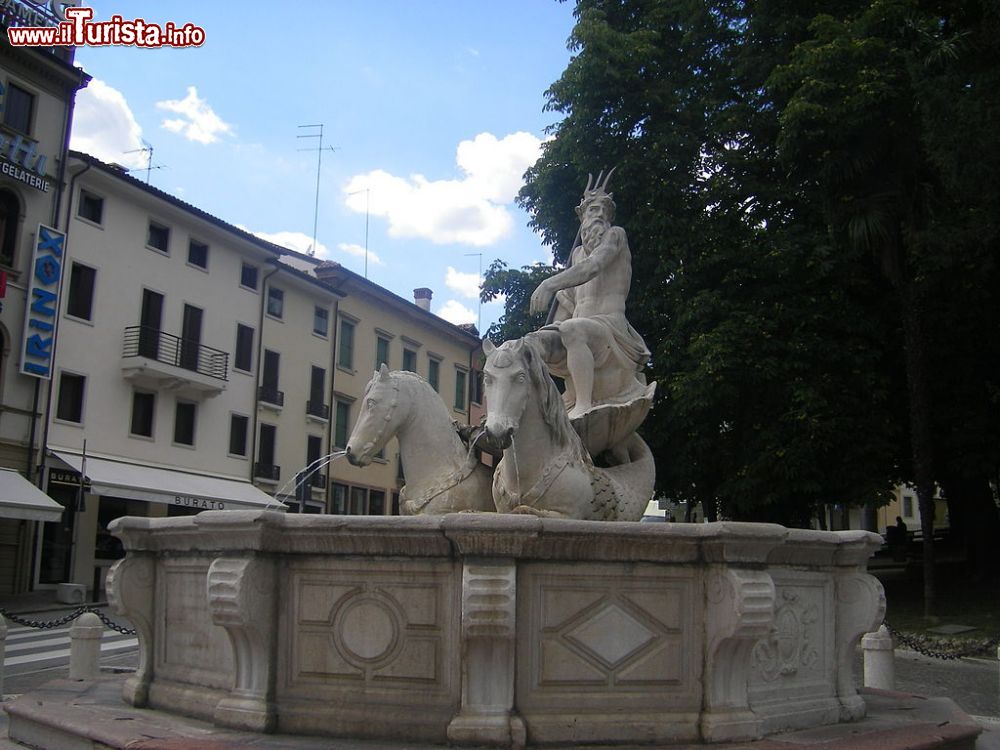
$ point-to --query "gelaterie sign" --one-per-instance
(43, 303)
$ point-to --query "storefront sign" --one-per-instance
(43, 303)
(186, 501)
(66, 478)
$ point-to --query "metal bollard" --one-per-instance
(3, 649)
(85, 646)
(880, 666)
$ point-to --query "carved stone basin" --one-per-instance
(491, 629)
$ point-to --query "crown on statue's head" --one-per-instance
(598, 191)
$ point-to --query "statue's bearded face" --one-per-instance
(593, 230)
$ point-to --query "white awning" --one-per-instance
(170, 486)
(20, 499)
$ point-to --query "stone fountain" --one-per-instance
(557, 620)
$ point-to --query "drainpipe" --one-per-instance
(260, 370)
(331, 422)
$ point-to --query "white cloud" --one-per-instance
(294, 241)
(455, 312)
(466, 284)
(471, 210)
(197, 121)
(104, 126)
(359, 251)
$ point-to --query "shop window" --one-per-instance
(80, 300)
(198, 254)
(376, 503)
(18, 107)
(72, 387)
(143, 410)
(339, 504)
(91, 207)
(158, 237)
(184, 420)
(248, 276)
(10, 216)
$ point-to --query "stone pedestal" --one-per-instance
(495, 630)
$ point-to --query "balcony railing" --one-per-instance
(271, 472)
(317, 409)
(271, 395)
(152, 343)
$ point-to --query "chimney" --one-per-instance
(422, 298)
(328, 271)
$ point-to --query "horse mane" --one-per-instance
(553, 408)
(410, 380)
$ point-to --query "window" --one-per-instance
(345, 352)
(248, 276)
(184, 419)
(143, 409)
(461, 376)
(265, 467)
(275, 302)
(409, 360)
(91, 207)
(10, 217)
(17, 108)
(359, 501)
(238, 426)
(316, 405)
(381, 351)
(158, 237)
(321, 321)
(477, 386)
(340, 433)
(339, 506)
(244, 348)
(198, 254)
(71, 390)
(376, 503)
(907, 506)
(80, 301)
(434, 374)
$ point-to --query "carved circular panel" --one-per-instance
(366, 629)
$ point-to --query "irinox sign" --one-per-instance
(43, 303)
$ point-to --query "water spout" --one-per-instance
(303, 476)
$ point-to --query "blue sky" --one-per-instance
(434, 110)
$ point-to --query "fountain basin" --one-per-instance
(495, 629)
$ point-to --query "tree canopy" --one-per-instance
(810, 197)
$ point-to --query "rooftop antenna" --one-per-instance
(367, 193)
(147, 149)
(479, 319)
(319, 163)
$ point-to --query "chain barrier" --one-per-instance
(58, 623)
(917, 645)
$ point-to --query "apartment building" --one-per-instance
(200, 367)
(37, 90)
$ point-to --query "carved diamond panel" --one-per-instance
(607, 636)
(376, 625)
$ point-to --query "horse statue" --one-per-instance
(546, 470)
(443, 475)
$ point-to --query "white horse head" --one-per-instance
(380, 417)
(515, 377)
